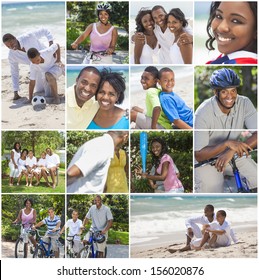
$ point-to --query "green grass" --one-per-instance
(123, 237)
(41, 188)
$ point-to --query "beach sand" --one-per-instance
(245, 248)
(19, 114)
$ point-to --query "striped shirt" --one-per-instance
(51, 224)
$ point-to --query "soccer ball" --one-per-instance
(38, 100)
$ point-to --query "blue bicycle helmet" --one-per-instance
(224, 78)
(99, 238)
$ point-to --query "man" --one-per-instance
(46, 63)
(164, 36)
(53, 226)
(53, 162)
(226, 110)
(88, 169)
(81, 103)
(75, 230)
(17, 53)
(102, 219)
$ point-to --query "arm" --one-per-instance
(62, 230)
(161, 177)
(82, 37)
(126, 168)
(34, 216)
(155, 115)
(74, 171)
(31, 89)
(85, 222)
(109, 225)
(218, 232)
(39, 224)
(139, 44)
(12, 158)
(186, 51)
(181, 124)
(19, 217)
(15, 75)
(44, 32)
(57, 54)
(137, 109)
(57, 227)
(113, 41)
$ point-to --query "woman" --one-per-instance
(27, 216)
(164, 168)
(145, 51)
(117, 179)
(103, 35)
(110, 93)
(233, 25)
(22, 166)
(13, 165)
(179, 53)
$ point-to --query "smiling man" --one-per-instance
(81, 103)
(222, 115)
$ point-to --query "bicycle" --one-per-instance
(90, 249)
(92, 57)
(242, 184)
(70, 253)
(21, 245)
(44, 249)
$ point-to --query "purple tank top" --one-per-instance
(100, 42)
(27, 219)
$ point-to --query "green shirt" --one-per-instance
(152, 101)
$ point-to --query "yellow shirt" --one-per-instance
(77, 117)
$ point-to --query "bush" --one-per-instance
(123, 43)
(5, 167)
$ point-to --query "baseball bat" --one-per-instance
(143, 149)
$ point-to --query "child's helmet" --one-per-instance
(224, 78)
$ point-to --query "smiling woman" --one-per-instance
(111, 92)
(233, 25)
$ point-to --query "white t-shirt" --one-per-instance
(74, 228)
(223, 239)
(93, 159)
(42, 162)
(31, 161)
(52, 160)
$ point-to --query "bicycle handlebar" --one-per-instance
(212, 161)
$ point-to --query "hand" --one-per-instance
(139, 38)
(110, 51)
(15, 166)
(144, 175)
(185, 39)
(74, 46)
(239, 147)
(223, 160)
(138, 170)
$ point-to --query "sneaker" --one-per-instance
(31, 250)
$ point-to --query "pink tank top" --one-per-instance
(100, 42)
(27, 219)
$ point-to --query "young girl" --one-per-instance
(154, 117)
(176, 22)
(103, 35)
(164, 167)
(31, 164)
(145, 52)
(233, 25)
(22, 166)
(15, 155)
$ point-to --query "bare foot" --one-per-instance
(186, 248)
(172, 251)
(53, 186)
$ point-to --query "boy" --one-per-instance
(217, 234)
(47, 62)
(75, 230)
(155, 117)
(175, 109)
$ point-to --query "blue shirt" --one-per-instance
(123, 123)
(51, 224)
(175, 108)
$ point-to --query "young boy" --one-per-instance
(47, 62)
(217, 234)
(174, 107)
(75, 230)
(154, 117)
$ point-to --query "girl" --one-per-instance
(22, 166)
(111, 93)
(41, 164)
(233, 25)
(31, 164)
(179, 53)
(13, 165)
(164, 167)
(103, 35)
(145, 52)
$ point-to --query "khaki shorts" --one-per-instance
(53, 239)
(100, 246)
(143, 122)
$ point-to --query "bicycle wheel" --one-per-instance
(39, 252)
(85, 252)
(20, 248)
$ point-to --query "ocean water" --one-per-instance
(19, 18)
(73, 71)
(155, 216)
